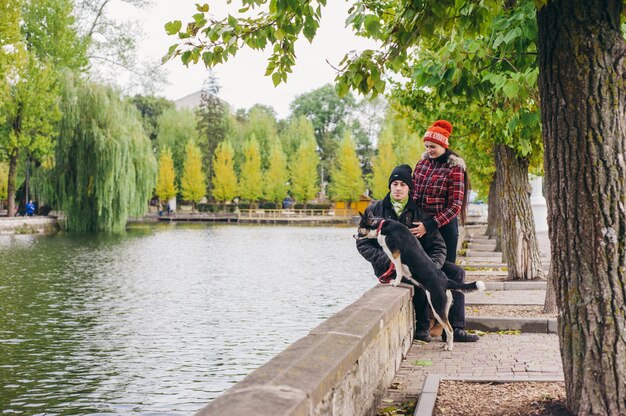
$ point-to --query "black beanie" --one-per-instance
(402, 173)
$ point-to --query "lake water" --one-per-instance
(162, 319)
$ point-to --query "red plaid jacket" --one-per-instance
(438, 188)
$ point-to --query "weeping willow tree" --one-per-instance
(104, 169)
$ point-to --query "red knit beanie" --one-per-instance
(439, 133)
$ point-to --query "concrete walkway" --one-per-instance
(525, 356)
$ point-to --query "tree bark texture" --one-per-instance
(493, 218)
(582, 89)
(519, 241)
(549, 304)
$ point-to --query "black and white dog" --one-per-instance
(402, 248)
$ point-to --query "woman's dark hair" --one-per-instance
(468, 187)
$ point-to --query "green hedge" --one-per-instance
(214, 207)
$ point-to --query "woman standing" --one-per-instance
(441, 187)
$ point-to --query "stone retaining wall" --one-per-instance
(28, 225)
(343, 367)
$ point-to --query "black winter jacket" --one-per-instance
(432, 242)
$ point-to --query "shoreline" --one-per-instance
(52, 224)
(29, 225)
(234, 219)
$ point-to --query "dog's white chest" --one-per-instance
(383, 242)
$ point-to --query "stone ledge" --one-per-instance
(28, 225)
(342, 367)
(477, 273)
(483, 254)
(526, 285)
(527, 325)
(513, 285)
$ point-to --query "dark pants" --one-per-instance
(456, 316)
(450, 234)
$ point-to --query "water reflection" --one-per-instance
(162, 319)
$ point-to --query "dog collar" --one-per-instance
(380, 226)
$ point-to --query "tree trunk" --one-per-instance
(208, 162)
(549, 304)
(27, 196)
(25, 187)
(583, 111)
(11, 183)
(493, 214)
(519, 241)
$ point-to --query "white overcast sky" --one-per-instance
(242, 78)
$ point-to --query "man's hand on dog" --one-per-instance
(419, 231)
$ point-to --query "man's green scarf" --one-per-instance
(398, 206)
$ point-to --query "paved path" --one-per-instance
(494, 357)
(526, 356)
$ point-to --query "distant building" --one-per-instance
(353, 208)
(189, 102)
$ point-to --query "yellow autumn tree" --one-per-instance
(383, 163)
(166, 179)
(347, 182)
(276, 176)
(251, 179)
(303, 171)
(224, 177)
(192, 182)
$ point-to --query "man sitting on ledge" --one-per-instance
(398, 206)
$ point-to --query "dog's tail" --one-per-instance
(466, 287)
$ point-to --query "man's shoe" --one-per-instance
(423, 336)
(460, 335)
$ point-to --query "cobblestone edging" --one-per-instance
(343, 367)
